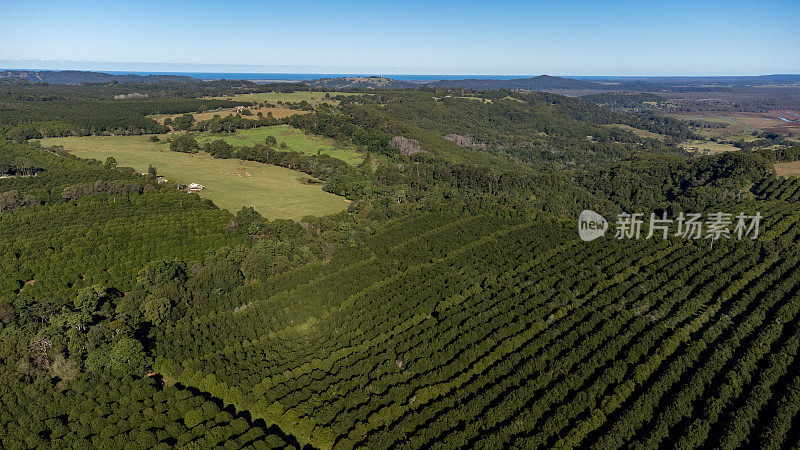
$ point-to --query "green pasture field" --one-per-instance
(736, 130)
(508, 97)
(275, 192)
(295, 139)
(710, 147)
(638, 132)
(479, 99)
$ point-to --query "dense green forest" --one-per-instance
(452, 304)
(125, 413)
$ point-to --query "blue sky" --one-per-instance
(407, 37)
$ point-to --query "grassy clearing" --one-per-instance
(508, 97)
(789, 169)
(735, 130)
(273, 191)
(710, 147)
(742, 125)
(734, 119)
(638, 132)
(726, 133)
(278, 113)
(478, 99)
(295, 139)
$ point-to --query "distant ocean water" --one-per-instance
(312, 76)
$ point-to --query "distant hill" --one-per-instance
(540, 83)
(79, 76)
(628, 84)
(778, 78)
(371, 82)
(758, 80)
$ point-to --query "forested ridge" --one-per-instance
(452, 304)
(81, 76)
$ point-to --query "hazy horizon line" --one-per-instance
(207, 68)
